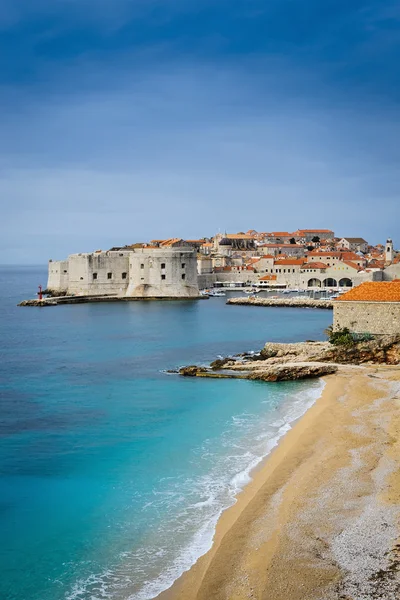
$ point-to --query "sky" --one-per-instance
(127, 120)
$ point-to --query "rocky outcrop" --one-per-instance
(291, 372)
(192, 371)
(286, 372)
(286, 362)
(297, 302)
(34, 302)
(383, 350)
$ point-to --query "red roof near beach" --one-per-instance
(373, 291)
(268, 278)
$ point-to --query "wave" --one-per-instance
(193, 505)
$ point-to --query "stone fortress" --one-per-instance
(176, 268)
(131, 272)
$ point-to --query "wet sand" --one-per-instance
(320, 520)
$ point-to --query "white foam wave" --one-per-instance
(198, 503)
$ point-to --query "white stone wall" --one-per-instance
(99, 273)
(158, 273)
(137, 273)
(377, 318)
(58, 276)
(391, 272)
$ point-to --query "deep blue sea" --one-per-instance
(113, 473)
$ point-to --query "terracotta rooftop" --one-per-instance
(355, 240)
(281, 246)
(268, 278)
(314, 231)
(335, 254)
(289, 261)
(280, 234)
(373, 291)
(351, 264)
(239, 236)
(350, 256)
(315, 265)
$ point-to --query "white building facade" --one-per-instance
(132, 273)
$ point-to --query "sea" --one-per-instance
(113, 473)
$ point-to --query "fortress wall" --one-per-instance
(105, 273)
(163, 273)
(377, 318)
(58, 275)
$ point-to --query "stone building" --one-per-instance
(355, 244)
(373, 307)
(144, 272)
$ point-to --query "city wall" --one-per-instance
(377, 318)
(137, 273)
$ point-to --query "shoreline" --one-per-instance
(252, 553)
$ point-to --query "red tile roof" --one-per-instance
(315, 265)
(289, 261)
(373, 291)
(268, 278)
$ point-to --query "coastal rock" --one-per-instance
(298, 302)
(384, 350)
(290, 372)
(221, 362)
(192, 371)
(35, 302)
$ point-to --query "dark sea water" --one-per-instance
(113, 474)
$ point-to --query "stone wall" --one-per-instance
(377, 318)
(102, 274)
(391, 272)
(163, 273)
(58, 276)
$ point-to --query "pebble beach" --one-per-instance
(320, 519)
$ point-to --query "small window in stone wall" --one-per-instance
(81, 278)
(94, 276)
(183, 265)
(65, 271)
(163, 265)
(162, 276)
(142, 266)
(124, 275)
(183, 276)
(109, 275)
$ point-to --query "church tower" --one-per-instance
(389, 251)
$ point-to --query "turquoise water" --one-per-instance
(114, 473)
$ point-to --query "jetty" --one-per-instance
(297, 302)
(60, 300)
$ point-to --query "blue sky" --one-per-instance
(126, 120)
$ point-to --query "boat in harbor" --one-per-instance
(216, 293)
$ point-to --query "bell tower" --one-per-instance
(389, 251)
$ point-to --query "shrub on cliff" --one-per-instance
(340, 337)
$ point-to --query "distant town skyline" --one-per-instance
(124, 121)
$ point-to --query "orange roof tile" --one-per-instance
(268, 278)
(316, 253)
(280, 234)
(373, 291)
(315, 265)
(351, 264)
(314, 231)
(289, 261)
(239, 236)
(350, 256)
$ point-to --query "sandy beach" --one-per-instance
(320, 519)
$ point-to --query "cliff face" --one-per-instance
(385, 350)
(284, 362)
